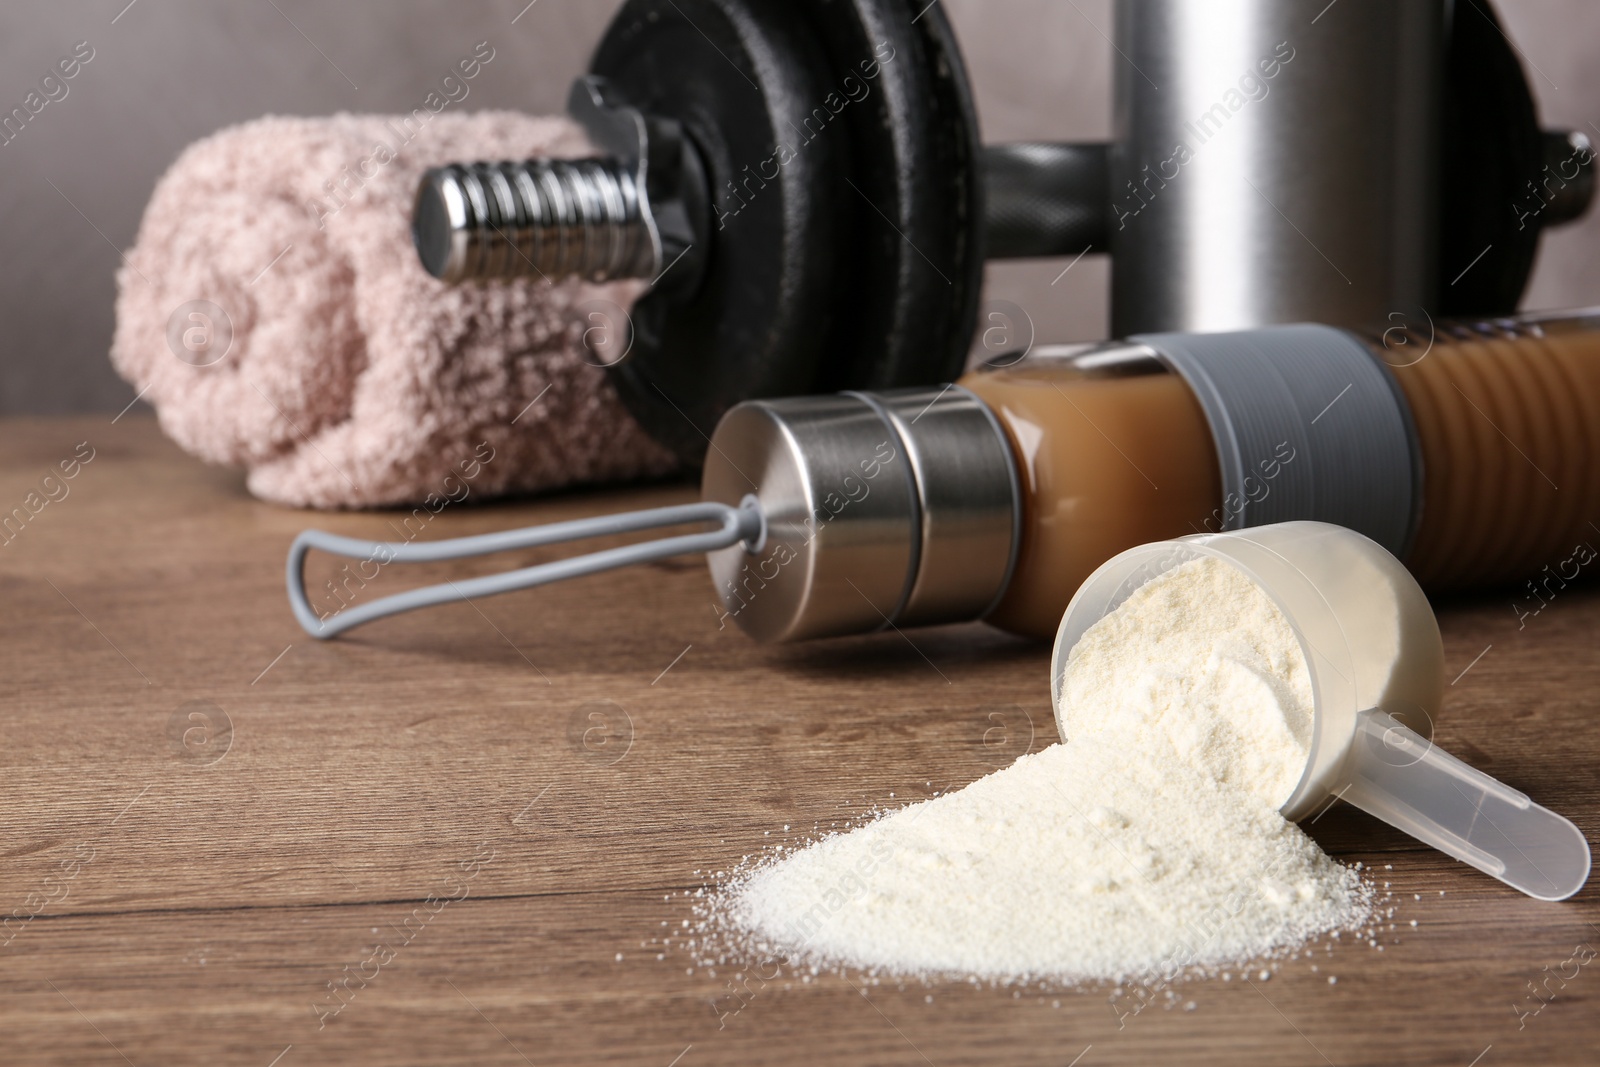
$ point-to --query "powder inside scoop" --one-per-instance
(1201, 659)
(1148, 843)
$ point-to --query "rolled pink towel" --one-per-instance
(353, 379)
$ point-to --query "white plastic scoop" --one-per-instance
(1377, 675)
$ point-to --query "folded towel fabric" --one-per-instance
(274, 313)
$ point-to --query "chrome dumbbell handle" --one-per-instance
(627, 214)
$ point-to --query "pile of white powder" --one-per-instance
(1149, 844)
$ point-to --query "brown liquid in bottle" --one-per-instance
(1107, 462)
(1508, 419)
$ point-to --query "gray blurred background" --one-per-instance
(74, 182)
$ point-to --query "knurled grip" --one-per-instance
(1046, 199)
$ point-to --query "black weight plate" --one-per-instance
(740, 75)
(900, 107)
(1491, 149)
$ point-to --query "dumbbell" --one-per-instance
(804, 186)
(803, 183)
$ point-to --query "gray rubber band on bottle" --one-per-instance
(1308, 425)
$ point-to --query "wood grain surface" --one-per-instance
(491, 813)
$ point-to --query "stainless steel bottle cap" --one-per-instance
(885, 509)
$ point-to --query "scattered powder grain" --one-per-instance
(1147, 845)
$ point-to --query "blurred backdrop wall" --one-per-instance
(164, 72)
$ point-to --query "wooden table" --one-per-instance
(482, 820)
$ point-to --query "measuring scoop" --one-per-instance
(1376, 662)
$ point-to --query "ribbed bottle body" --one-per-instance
(1507, 415)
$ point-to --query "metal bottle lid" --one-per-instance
(882, 510)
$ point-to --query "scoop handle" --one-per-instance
(1414, 785)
